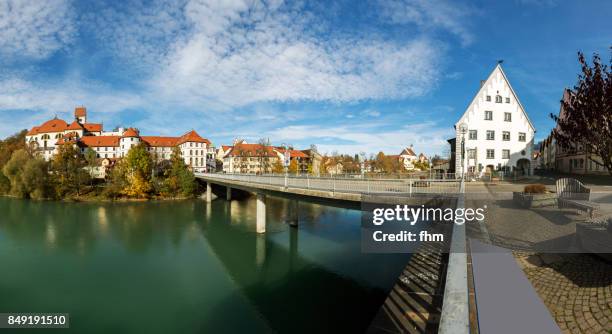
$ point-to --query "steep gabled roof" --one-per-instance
(74, 126)
(408, 151)
(482, 86)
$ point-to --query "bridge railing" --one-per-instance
(347, 185)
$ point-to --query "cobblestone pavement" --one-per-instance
(576, 288)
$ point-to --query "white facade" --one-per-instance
(499, 133)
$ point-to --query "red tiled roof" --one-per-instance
(226, 147)
(93, 127)
(157, 141)
(54, 125)
(80, 111)
(74, 126)
(252, 150)
(297, 154)
(192, 136)
(99, 141)
(130, 132)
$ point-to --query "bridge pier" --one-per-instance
(228, 193)
(293, 212)
(208, 192)
(261, 213)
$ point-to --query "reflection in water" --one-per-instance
(200, 262)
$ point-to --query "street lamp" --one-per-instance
(463, 128)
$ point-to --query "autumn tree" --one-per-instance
(277, 167)
(587, 113)
(138, 172)
(293, 166)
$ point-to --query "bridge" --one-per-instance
(351, 189)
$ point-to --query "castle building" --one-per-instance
(197, 152)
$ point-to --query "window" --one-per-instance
(522, 136)
(488, 115)
(506, 135)
(507, 100)
(507, 117)
(471, 154)
(505, 154)
(473, 135)
(498, 99)
(490, 135)
(488, 98)
(490, 154)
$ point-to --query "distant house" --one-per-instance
(407, 158)
(332, 166)
(261, 159)
(422, 158)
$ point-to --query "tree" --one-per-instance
(277, 167)
(587, 118)
(91, 159)
(27, 175)
(7, 147)
(293, 167)
(179, 179)
(68, 173)
(138, 172)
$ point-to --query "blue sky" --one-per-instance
(348, 76)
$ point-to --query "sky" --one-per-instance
(346, 76)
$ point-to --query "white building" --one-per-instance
(408, 158)
(197, 152)
(498, 133)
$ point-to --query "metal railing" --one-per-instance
(454, 318)
(347, 185)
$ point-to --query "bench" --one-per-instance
(571, 193)
(589, 207)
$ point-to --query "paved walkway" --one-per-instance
(576, 288)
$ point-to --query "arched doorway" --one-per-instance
(523, 166)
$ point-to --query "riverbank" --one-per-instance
(101, 198)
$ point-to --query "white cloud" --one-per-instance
(38, 102)
(441, 15)
(34, 29)
(224, 54)
(427, 137)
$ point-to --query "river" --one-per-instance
(191, 267)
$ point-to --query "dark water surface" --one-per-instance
(190, 267)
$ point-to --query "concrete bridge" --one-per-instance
(395, 191)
